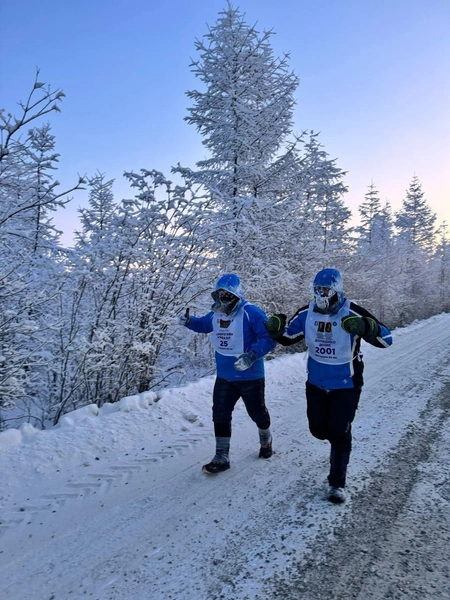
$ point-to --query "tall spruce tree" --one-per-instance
(371, 280)
(415, 221)
(369, 213)
(415, 227)
(324, 189)
(245, 116)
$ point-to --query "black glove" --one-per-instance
(184, 319)
(364, 327)
(275, 325)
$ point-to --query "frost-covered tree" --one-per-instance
(136, 264)
(245, 116)
(415, 221)
(76, 365)
(279, 212)
(369, 214)
(31, 270)
(245, 113)
(441, 264)
(171, 273)
(415, 226)
(324, 188)
(383, 229)
(25, 164)
(372, 268)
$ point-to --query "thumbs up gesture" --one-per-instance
(184, 318)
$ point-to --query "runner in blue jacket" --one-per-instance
(332, 328)
(240, 340)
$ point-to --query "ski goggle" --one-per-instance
(223, 296)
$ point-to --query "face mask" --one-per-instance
(325, 298)
(225, 301)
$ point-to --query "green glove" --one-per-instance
(365, 327)
(275, 325)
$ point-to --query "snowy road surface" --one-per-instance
(115, 506)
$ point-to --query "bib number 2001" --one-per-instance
(328, 351)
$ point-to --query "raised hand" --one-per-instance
(184, 319)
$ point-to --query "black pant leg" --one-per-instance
(343, 408)
(317, 411)
(225, 396)
(253, 396)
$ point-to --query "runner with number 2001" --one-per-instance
(333, 328)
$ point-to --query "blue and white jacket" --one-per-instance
(241, 331)
(334, 357)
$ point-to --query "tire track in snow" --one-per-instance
(98, 483)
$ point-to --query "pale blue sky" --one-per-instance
(374, 80)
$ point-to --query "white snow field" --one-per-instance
(112, 504)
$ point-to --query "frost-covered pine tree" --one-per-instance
(383, 228)
(415, 227)
(278, 203)
(244, 114)
(369, 214)
(415, 221)
(324, 187)
(372, 277)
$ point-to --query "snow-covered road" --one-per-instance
(115, 506)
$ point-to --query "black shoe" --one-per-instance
(336, 495)
(266, 451)
(216, 467)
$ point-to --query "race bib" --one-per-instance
(327, 342)
(227, 337)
